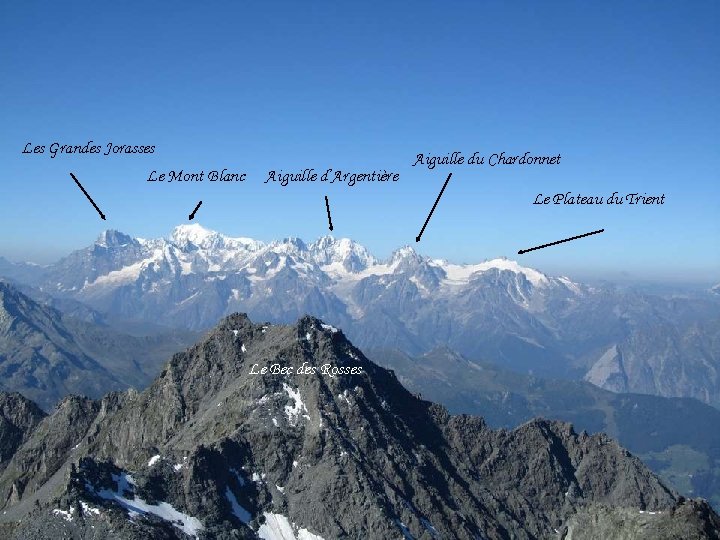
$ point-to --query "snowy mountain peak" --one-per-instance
(324, 242)
(193, 233)
(295, 242)
(196, 235)
(461, 273)
(535, 277)
(405, 252)
(289, 246)
(353, 257)
(112, 238)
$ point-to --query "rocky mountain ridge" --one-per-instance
(211, 451)
(677, 438)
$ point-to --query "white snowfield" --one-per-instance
(136, 506)
(461, 274)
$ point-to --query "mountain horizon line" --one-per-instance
(195, 232)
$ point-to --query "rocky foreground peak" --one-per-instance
(290, 432)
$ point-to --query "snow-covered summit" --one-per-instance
(350, 255)
(113, 238)
(463, 272)
(405, 252)
(193, 233)
(289, 246)
(199, 236)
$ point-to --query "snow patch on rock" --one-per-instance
(293, 412)
(278, 527)
(67, 516)
(136, 506)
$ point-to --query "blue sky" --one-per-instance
(626, 93)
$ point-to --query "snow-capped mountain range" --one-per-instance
(195, 276)
(192, 249)
(495, 310)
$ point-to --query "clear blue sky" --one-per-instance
(627, 93)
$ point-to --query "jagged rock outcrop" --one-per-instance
(689, 520)
(677, 438)
(18, 418)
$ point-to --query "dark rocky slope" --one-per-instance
(18, 418)
(46, 354)
(677, 438)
